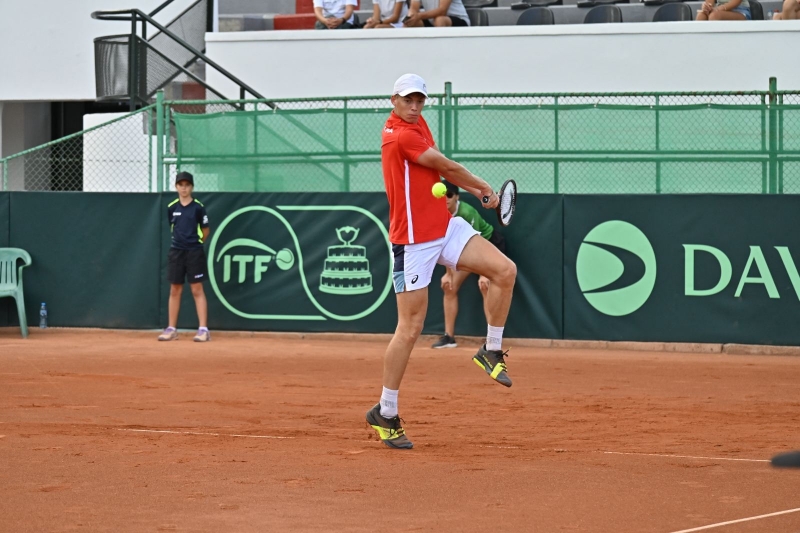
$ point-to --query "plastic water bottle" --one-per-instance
(43, 316)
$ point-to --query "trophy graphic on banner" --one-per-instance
(346, 269)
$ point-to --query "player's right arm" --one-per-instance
(458, 174)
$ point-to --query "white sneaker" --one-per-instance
(169, 334)
(203, 335)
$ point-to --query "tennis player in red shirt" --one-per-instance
(423, 233)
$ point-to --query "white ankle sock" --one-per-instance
(494, 338)
(389, 403)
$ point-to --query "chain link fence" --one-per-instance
(117, 156)
(562, 143)
(568, 143)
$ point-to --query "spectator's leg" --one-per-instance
(726, 15)
(702, 16)
(442, 22)
(320, 26)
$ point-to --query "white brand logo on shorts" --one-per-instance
(198, 276)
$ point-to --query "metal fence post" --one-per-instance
(448, 119)
(773, 136)
(345, 158)
(658, 147)
(133, 82)
(160, 115)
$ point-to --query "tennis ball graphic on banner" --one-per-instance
(616, 268)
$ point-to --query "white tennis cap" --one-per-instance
(410, 83)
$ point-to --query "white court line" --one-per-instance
(691, 457)
(200, 433)
(701, 528)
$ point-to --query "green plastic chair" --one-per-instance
(11, 280)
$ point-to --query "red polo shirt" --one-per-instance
(414, 214)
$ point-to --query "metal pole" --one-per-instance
(773, 136)
(448, 119)
(132, 82)
(555, 163)
(658, 147)
(160, 114)
(346, 161)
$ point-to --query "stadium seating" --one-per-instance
(477, 17)
(756, 11)
(673, 12)
(603, 14)
(259, 15)
(536, 16)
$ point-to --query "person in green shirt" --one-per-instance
(452, 279)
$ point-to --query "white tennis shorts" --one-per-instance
(414, 263)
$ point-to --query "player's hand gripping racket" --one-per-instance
(508, 202)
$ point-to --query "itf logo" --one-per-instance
(616, 268)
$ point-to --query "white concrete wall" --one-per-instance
(675, 56)
(47, 49)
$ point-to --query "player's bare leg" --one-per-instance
(174, 306)
(384, 418)
(481, 257)
(411, 309)
(175, 292)
(201, 303)
(483, 286)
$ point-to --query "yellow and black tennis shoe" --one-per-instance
(493, 363)
(390, 430)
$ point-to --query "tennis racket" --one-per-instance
(508, 202)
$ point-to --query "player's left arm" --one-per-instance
(470, 190)
(458, 174)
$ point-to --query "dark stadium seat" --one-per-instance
(478, 17)
(672, 12)
(592, 3)
(662, 2)
(603, 14)
(527, 4)
(756, 11)
(480, 3)
(536, 16)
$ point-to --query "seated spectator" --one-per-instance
(440, 13)
(335, 14)
(725, 10)
(387, 14)
(791, 11)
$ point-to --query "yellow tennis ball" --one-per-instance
(439, 190)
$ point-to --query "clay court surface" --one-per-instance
(113, 431)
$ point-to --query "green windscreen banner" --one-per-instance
(700, 268)
(96, 257)
(6, 304)
(322, 262)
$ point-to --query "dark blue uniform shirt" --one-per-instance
(185, 223)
